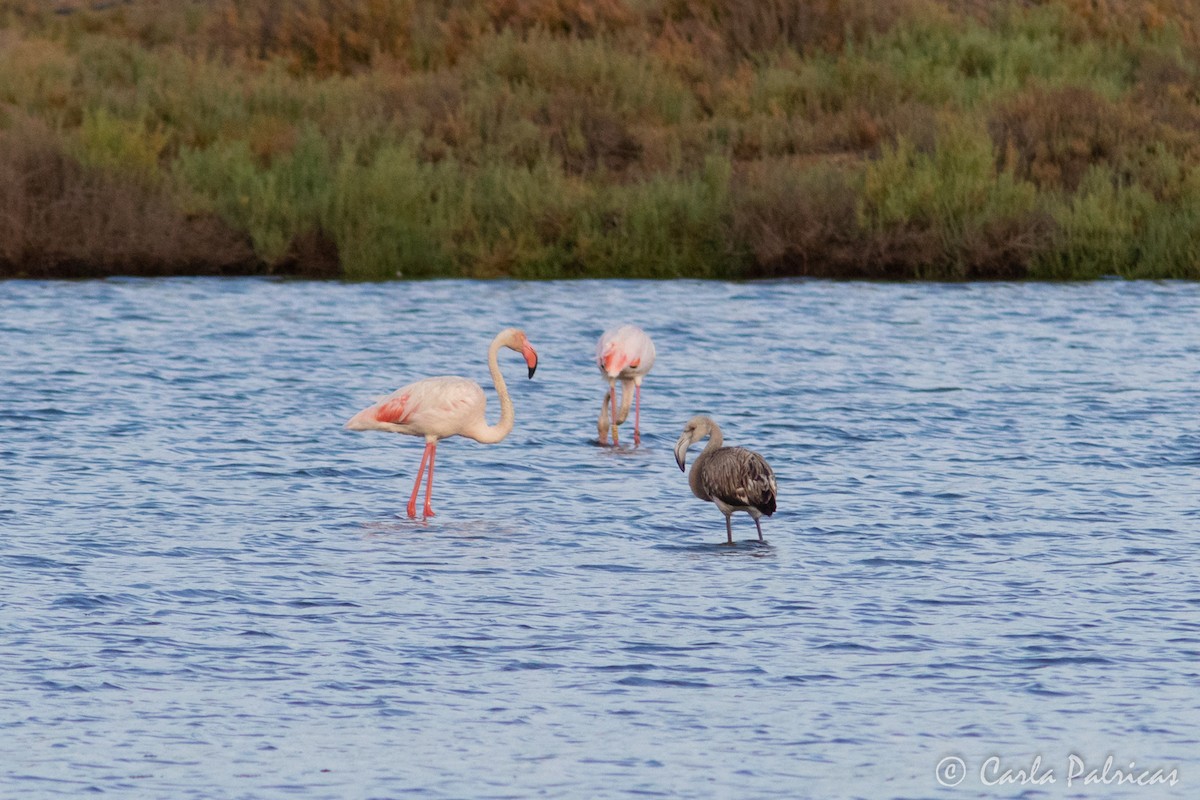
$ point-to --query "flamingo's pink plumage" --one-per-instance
(623, 354)
(437, 408)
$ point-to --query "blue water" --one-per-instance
(986, 544)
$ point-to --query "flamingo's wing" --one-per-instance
(740, 478)
(395, 408)
(433, 405)
(642, 349)
(442, 404)
(385, 414)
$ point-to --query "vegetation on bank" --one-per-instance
(938, 139)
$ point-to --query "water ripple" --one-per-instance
(985, 545)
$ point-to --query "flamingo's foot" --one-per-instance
(637, 439)
(428, 512)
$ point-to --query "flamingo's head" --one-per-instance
(515, 339)
(627, 347)
(695, 430)
(613, 362)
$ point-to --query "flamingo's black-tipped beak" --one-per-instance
(681, 448)
(531, 358)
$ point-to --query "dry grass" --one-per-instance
(1054, 136)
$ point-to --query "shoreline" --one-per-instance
(96, 272)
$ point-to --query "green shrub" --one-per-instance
(1109, 228)
(391, 216)
(108, 142)
(953, 199)
(274, 203)
(666, 227)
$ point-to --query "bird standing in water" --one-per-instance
(437, 408)
(732, 478)
(623, 354)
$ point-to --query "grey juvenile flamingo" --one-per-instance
(733, 478)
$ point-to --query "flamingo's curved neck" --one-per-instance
(715, 440)
(490, 434)
(626, 401)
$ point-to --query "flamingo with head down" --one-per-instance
(437, 408)
(625, 354)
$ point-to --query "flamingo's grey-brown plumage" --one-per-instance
(732, 478)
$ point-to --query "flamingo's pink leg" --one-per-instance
(637, 414)
(428, 511)
(412, 501)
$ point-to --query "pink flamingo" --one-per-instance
(438, 408)
(625, 354)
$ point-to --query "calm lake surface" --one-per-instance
(986, 544)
